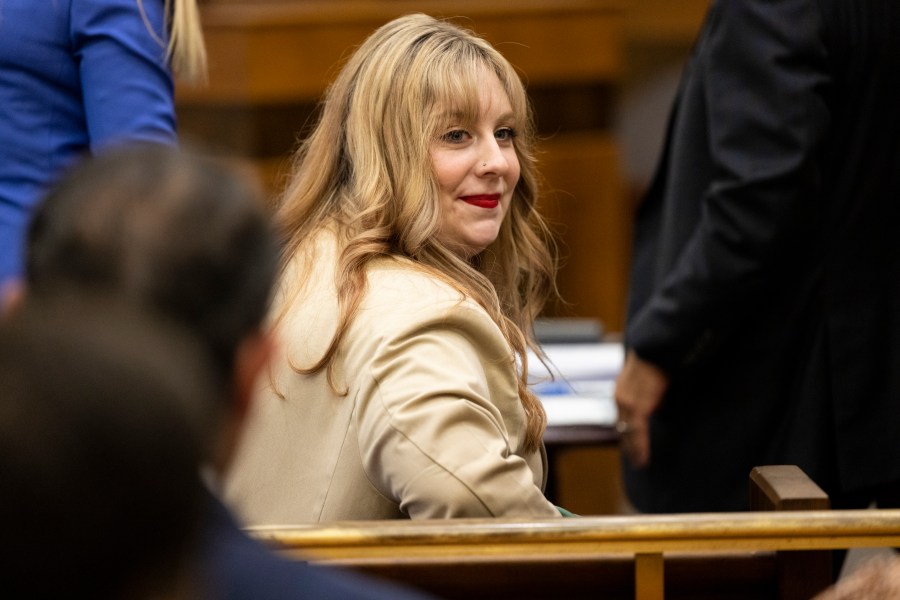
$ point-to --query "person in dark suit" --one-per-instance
(188, 239)
(764, 312)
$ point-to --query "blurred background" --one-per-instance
(601, 75)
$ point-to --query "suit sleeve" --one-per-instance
(431, 436)
(127, 86)
(762, 65)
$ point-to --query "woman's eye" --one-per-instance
(505, 134)
(456, 136)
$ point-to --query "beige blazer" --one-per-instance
(430, 425)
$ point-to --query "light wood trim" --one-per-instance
(800, 530)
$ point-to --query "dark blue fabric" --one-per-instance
(75, 76)
(237, 567)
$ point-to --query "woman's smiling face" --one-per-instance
(477, 170)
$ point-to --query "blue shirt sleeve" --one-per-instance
(120, 46)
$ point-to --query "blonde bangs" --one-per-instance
(452, 87)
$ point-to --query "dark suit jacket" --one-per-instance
(766, 274)
(236, 567)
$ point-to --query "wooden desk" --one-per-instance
(584, 473)
(580, 435)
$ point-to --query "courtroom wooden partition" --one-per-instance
(722, 555)
(777, 551)
(270, 61)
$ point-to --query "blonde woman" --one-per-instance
(414, 266)
(77, 76)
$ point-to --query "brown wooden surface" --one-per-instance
(566, 436)
(586, 479)
(663, 22)
(785, 487)
(649, 573)
(725, 576)
(289, 51)
(585, 202)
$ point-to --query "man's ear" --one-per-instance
(12, 294)
(250, 361)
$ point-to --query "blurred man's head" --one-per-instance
(181, 235)
(102, 424)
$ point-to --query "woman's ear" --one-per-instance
(12, 294)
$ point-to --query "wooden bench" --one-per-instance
(723, 555)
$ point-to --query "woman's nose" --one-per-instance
(492, 158)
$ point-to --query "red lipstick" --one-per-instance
(482, 200)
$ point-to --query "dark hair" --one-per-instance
(182, 234)
(101, 430)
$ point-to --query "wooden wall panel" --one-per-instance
(288, 51)
(585, 202)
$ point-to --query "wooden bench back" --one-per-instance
(800, 574)
(722, 555)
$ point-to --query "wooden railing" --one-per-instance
(465, 547)
(774, 551)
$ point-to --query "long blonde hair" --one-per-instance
(366, 172)
(186, 51)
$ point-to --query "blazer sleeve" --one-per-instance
(432, 437)
(763, 68)
(127, 86)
